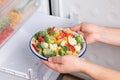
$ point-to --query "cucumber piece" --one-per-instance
(61, 52)
(49, 53)
(43, 33)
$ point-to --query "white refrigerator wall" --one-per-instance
(104, 12)
(44, 7)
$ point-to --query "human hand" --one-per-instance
(88, 30)
(65, 64)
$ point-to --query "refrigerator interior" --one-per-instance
(103, 12)
(13, 15)
(44, 7)
(17, 61)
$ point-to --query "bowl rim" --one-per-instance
(44, 58)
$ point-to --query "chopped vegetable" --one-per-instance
(16, 17)
(63, 43)
(79, 39)
(49, 39)
(43, 33)
(61, 52)
(72, 48)
(4, 23)
(53, 47)
(40, 39)
(78, 48)
(53, 42)
(72, 40)
(44, 45)
(40, 51)
(65, 48)
(51, 30)
(36, 36)
(62, 35)
(49, 53)
(52, 33)
(34, 46)
(58, 44)
(48, 29)
(39, 48)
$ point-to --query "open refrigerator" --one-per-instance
(19, 20)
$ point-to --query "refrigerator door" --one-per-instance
(103, 12)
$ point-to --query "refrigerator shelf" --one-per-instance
(14, 16)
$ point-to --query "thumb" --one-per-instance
(76, 28)
(57, 59)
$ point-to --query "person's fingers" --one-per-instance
(51, 65)
(76, 28)
(81, 33)
(83, 59)
(45, 62)
(90, 39)
(57, 59)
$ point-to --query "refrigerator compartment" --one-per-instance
(3, 3)
(16, 18)
(10, 5)
(4, 21)
(15, 5)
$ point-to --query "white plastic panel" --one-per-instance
(44, 6)
(105, 12)
(6, 76)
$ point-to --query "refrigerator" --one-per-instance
(20, 19)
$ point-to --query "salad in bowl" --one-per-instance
(57, 42)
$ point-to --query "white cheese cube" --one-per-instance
(72, 41)
(78, 48)
(53, 47)
(63, 43)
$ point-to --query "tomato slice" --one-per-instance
(68, 34)
(40, 39)
(52, 30)
(72, 48)
(62, 35)
(34, 46)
